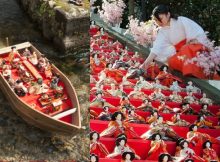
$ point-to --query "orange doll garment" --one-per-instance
(157, 148)
(98, 149)
(209, 154)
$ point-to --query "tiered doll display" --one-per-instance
(147, 115)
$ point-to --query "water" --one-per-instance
(20, 141)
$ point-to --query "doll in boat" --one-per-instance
(208, 153)
(117, 126)
(33, 58)
(165, 77)
(6, 71)
(96, 147)
(105, 115)
(38, 87)
(121, 147)
(20, 89)
(159, 126)
(13, 54)
(157, 147)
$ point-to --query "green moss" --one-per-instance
(63, 5)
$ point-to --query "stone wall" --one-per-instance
(67, 27)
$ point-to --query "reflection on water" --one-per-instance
(18, 140)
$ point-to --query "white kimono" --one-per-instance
(168, 36)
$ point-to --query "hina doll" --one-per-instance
(113, 73)
(42, 63)
(205, 111)
(153, 117)
(120, 92)
(201, 122)
(198, 138)
(157, 95)
(105, 114)
(125, 102)
(124, 111)
(159, 126)
(191, 88)
(20, 89)
(113, 91)
(177, 121)
(152, 71)
(190, 98)
(38, 87)
(137, 93)
(13, 54)
(165, 157)
(127, 83)
(120, 64)
(188, 153)
(98, 101)
(97, 147)
(97, 64)
(33, 58)
(143, 84)
(134, 71)
(128, 156)
(163, 108)
(26, 53)
(6, 71)
(121, 147)
(157, 85)
(205, 100)
(54, 81)
(178, 147)
(94, 158)
(103, 79)
(117, 126)
(146, 106)
(208, 153)
(187, 110)
(175, 97)
(157, 147)
(165, 77)
(175, 87)
(134, 117)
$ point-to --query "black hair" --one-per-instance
(191, 127)
(163, 66)
(131, 154)
(116, 114)
(152, 112)
(184, 104)
(119, 139)
(154, 136)
(182, 143)
(189, 160)
(199, 117)
(161, 157)
(93, 132)
(204, 105)
(204, 144)
(163, 9)
(18, 81)
(97, 158)
(13, 47)
(104, 108)
(179, 141)
(108, 64)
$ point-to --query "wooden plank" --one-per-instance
(18, 47)
(65, 113)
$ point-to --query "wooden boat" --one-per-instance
(64, 117)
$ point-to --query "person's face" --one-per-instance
(122, 143)
(207, 145)
(93, 159)
(119, 117)
(128, 157)
(95, 136)
(157, 137)
(195, 128)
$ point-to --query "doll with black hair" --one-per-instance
(157, 95)
(208, 153)
(153, 117)
(97, 147)
(205, 110)
(165, 157)
(125, 102)
(159, 126)
(178, 148)
(97, 64)
(20, 89)
(201, 122)
(121, 147)
(117, 126)
(134, 117)
(98, 101)
(103, 79)
(197, 138)
(187, 110)
(175, 97)
(163, 108)
(177, 121)
(190, 98)
(128, 157)
(105, 114)
(165, 77)
(142, 83)
(13, 54)
(94, 158)
(186, 153)
(137, 93)
(146, 106)
(157, 147)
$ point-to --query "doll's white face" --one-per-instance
(205, 107)
(160, 120)
(93, 159)
(132, 112)
(165, 68)
(195, 128)
(141, 78)
(157, 81)
(123, 110)
(95, 136)
(207, 145)
(112, 86)
(157, 137)
(204, 95)
(99, 96)
(201, 118)
(128, 157)
(146, 101)
(122, 143)
(178, 116)
(185, 145)
(106, 109)
(155, 114)
(162, 103)
(119, 117)
(165, 158)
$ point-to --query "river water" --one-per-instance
(20, 141)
